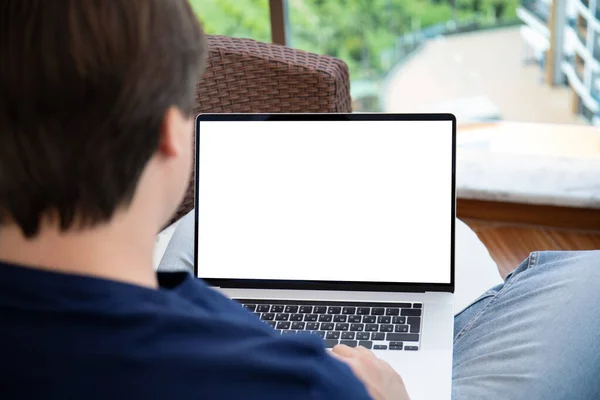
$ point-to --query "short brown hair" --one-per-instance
(84, 86)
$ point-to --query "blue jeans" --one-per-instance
(535, 336)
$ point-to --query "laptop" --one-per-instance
(336, 225)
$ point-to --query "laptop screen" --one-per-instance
(327, 200)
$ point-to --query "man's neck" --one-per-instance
(121, 250)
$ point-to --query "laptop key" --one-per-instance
(349, 335)
(415, 324)
(349, 343)
(357, 327)
(418, 305)
(263, 308)
(340, 318)
(362, 335)
(355, 318)
(312, 326)
(392, 311)
(401, 328)
(399, 320)
(334, 310)
(327, 326)
(371, 327)
(291, 309)
(396, 344)
(250, 307)
(296, 317)
(283, 325)
(377, 336)
(282, 317)
(377, 311)
(349, 310)
(325, 318)
(411, 348)
(341, 326)
(329, 343)
(311, 317)
(386, 328)
(395, 347)
(277, 309)
(413, 312)
(298, 325)
(402, 337)
(288, 332)
(321, 334)
(366, 343)
(363, 311)
(271, 323)
(320, 310)
(305, 309)
(380, 347)
(369, 319)
(384, 319)
(333, 335)
(267, 316)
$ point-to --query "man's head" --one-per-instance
(92, 94)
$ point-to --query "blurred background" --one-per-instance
(528, 61)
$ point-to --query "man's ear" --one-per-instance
(174, 133)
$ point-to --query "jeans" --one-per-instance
(535, 336)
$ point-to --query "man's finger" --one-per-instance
(339, 357)
(365, 351)
(345, 351)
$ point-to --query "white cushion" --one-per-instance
(475, 270)
(162, 240)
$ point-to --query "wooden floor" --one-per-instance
(511, 244)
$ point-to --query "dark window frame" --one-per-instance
(278, 13)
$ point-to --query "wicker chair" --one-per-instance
(246, 76)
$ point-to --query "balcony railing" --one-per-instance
(596, 52)
(579, 68)
(539, 8)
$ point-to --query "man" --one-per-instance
(95, 130)
(96, 102)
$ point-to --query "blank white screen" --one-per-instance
(325, 200)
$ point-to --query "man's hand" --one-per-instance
(380, 379)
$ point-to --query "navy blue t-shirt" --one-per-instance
(73, 337)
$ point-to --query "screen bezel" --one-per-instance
(328, 285)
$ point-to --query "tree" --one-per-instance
(238, 18)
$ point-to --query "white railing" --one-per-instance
(530, 19)
(581, 49)
(579, 88)
(587, 14)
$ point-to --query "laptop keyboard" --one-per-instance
(377, 326)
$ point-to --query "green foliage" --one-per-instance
(238, 18)
(360, 32)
